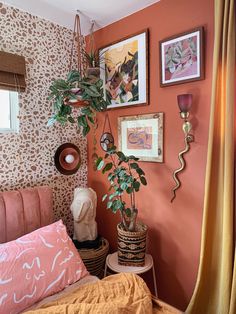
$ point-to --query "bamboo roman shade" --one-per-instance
(12, 72)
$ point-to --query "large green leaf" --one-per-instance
(73, 76)
(129, 190)
(143, 180)
(99, 163)
(132, 157)
(109, 204)
(82, 121)
(104, 197)
(86, 111)
(124, 186)
(107, 167)
(136, 186)
(91, 91)
(121, 156)
(134, 165)
(61, 84)
(128, 212)
(86, 130)
(140, 172)
(99, 83)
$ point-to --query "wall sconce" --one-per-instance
(185, 103)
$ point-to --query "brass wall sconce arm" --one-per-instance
(185, 103)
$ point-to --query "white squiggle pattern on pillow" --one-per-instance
(28, 266)
(29, 296)
(45, 243)
(2, 298)
(42, 274)
(55, 281)
(54, 260)
(71, 254)
(24, 251)
(3, 257)
(64, 241)
(78, 271)
(4, 282)
(37, 277)
(20, 241)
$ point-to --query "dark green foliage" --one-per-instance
(62, 93)
(125, 177)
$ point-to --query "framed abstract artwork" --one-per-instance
(124, 71)
(142, 136)
(182, 58)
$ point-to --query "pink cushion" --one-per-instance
(37, 265)
(24, 210)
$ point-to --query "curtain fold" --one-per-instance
(215, 290)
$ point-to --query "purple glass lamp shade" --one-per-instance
(185, 102)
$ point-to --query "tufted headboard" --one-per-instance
(24, 211)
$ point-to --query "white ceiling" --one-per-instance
(62, 12)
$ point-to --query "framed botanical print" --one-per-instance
(142, 136)
(124, 71)
(182, 58)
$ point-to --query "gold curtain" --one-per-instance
(215, 290)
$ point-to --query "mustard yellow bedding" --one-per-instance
(116, 294)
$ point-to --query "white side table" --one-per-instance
(112, 263)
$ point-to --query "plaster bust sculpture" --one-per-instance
(83, 209)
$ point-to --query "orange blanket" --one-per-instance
(116, 294)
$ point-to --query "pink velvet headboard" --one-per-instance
(24, 211)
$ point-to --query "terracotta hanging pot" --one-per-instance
(95, 71)
(78, 101)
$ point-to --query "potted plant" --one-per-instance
(77, 91)
(93, 63)
(126, 178)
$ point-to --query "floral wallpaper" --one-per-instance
(27, 158)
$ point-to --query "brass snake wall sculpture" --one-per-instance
(187, 139)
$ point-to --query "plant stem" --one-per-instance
(132, 223)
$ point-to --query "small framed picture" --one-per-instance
(182, 58)
(142, 136)
(124, 71)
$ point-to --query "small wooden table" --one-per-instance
(112, 263)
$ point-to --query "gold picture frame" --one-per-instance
(142, 136)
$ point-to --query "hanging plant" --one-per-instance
(77, 91)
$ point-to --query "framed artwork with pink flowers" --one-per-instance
(182, 58)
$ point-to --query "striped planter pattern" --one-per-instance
(132, 246)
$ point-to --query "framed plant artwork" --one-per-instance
(124, 71)
(142, 136)
(181, 58)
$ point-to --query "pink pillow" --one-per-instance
(37, 265)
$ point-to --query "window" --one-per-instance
(8, 111)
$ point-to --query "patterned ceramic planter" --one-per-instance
(132, 245)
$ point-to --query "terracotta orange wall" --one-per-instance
(174, 228)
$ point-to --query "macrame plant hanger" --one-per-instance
(91, 42)
(77, 53)
(107, 139)
(79, 41)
